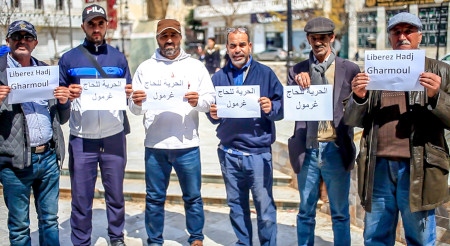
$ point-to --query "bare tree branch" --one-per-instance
(51, 21)
(6, 12)
(228, 18)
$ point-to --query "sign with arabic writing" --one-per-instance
(103, 94)
(238, 101)
(165, 94)
(308, 104)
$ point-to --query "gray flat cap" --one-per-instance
(404, 17)
(319, 25)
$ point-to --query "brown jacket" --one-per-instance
(429, 150)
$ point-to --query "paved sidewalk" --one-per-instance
(217, 229)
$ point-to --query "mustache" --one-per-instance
(21, 45)
(404, 42)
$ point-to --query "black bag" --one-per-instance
(126, 123)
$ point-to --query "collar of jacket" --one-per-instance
(90, 46)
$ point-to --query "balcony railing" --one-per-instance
(251, 7)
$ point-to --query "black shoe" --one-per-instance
(119, 242)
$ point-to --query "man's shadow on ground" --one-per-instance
(217, 230)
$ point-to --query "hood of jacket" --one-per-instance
(157, 56)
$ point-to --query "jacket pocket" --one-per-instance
(436, 170)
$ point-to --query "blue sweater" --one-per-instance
(74, 65)
(251, 135)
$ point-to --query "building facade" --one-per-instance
(266, 20)
(369, 18)
(364, 22)
(57, 23)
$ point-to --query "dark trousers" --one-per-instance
(85, 156)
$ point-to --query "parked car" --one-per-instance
(304, 53)
(446, 58)
(271, 54)
(192, 49)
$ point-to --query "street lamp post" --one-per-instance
(124, 24)
(69, 7)
(290, 57)
(438, 27)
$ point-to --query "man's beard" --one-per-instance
(170, 51)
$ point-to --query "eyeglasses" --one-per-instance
(18, 37)
(239, 29)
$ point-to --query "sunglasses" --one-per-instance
(239, 29)
(18, 37)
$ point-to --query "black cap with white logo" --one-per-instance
(92, 11)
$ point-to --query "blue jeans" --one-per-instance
(158, 166)
(391, 196)
(43, 177)
(326, 163)
(242, 174)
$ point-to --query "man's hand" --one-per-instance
(128, 90)
(192, 98)
(213, 111)
(4, 91)
(75, 91)
(266, 104)
(62, 93)
(359, 83)
(138, 97)
(431, 82)
(303, 79)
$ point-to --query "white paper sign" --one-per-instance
(394, 70)
(312, 104)
(165, 94)
(238, 101)
(32, 83)
(103, 94)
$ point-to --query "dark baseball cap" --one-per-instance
(404, 17)
(21, 26)
(168, 24)
(319, 25)
(92, 11)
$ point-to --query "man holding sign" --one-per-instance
(403, 162)
(170, 89)
(245, 142)
(323, 149)
(97, 132)
(31, 144)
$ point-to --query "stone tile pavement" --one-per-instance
(217, 229)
